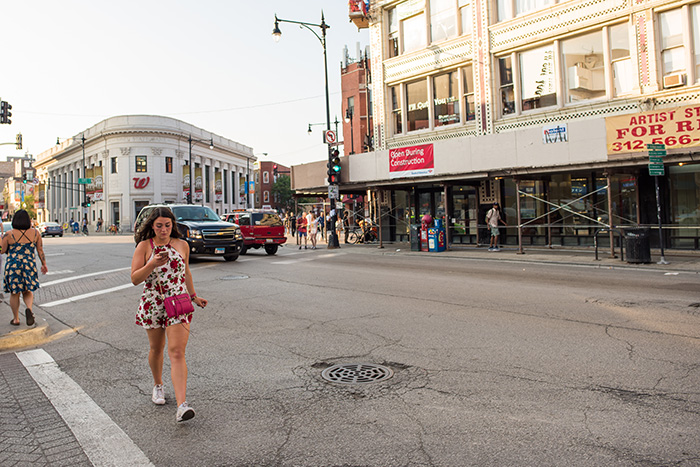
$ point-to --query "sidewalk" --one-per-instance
(687, 261)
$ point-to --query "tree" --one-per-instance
(283, 189)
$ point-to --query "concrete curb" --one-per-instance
(26, 337)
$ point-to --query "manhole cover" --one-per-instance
(357, 373)
(234, 278)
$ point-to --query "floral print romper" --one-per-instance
(151, 314)
(20, 268)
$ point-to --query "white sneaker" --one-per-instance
(158, 396)
(184, 412)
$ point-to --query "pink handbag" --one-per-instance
(178, 305)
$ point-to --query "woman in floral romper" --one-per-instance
(21, 276)
(161, 260)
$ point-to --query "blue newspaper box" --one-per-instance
(436, 239)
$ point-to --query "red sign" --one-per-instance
(141, 182)
(412, 161)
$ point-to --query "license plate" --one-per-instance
(219, 251)
(269, 240)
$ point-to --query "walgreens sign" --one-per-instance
(412, 161)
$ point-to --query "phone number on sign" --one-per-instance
(638, 144)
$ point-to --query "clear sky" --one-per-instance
(68, 64)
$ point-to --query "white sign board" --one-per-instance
(333, 191)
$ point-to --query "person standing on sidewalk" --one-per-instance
(346, 225)
(321, 224)
(301, 229)
(493, 217)
(312, 226)
(161, 260)
(21, 276)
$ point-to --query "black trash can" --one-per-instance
(637, 247)
(415, 237)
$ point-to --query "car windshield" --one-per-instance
(195, 213)
(267, 219)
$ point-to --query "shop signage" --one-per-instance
(141, 183)
(555, 134)
(411, 161)
(671, 128)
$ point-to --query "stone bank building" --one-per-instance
(135, 160)
(546, 107)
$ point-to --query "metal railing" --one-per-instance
(615, 231)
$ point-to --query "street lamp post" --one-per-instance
(277, 34)
(191, 141)
(348, 119)
(84, 203)
(336, 123)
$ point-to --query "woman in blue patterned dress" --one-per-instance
(21, 276)
(161, 260)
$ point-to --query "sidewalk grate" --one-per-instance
(357, 373)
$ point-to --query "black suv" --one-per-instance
(202, 229)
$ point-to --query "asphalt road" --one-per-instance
(493, 363)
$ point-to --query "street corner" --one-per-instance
(17, 337)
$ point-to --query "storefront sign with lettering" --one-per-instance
(412, 161)
(676, 128)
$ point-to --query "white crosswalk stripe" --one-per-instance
(102, 440)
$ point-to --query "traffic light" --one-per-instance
(19, 141)
(274, 169)
(334, 168)
(5, 113)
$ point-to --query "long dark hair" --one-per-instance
(21, 220)
(145, 230)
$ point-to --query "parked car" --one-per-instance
(260, 228)
(50, 228)
(202, 229)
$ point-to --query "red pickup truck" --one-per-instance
(260, 228)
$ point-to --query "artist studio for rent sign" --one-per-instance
(674, 128)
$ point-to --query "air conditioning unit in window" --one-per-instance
(674, 79)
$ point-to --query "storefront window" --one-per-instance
(507, 7)
(685, 205)
(141, 164)
(672, 50)
(417, 105)
(623, 74)
(695, 26)
(393, 46)
(396, 109)
(524, 6)
(465, 15)
(414, 36)
(468, 83)
(585, 69)
(402, 214)
(505, 69)
(442, 20)
(423, 204)
(446, 99)
(537, 78)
